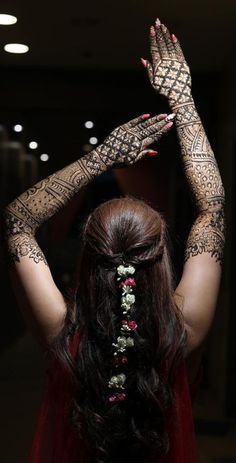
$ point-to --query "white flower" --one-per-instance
(129, 342)
(121, 344)
(128, 299)
(127, 290)
(124, 271)
(117, 381)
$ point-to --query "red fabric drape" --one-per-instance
(55, 441)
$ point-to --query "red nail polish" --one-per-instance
(169, 125)
(145, 116)
(152, 153)
(144, 62)
(173, 38)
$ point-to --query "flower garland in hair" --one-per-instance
(125, 339)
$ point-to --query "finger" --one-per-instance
(152, 121)
(142, 153)
(137, 120)
(161, 44)
(154, 49)
(149, 152)
(177, 46)
(168, 41)
(157, 135)
(150, 71)
(152, 129)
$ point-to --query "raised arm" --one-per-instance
(198, 289)
(40, 300)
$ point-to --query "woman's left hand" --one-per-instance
(128, 143)
(168, 72)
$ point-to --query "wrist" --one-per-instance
(175, 106)
(93, 163)
(186, 113)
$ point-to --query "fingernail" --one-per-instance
(152, 31)
(144, 62)
(164, 28)
(152, 153)
(173, 38)
(170, 117)
(145, 116)
(161, 116)
(169, 125)
(158, 22)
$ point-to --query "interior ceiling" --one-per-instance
(112, 34)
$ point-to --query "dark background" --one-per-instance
(84, 64)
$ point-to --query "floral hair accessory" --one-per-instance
(125, 340)
(124, 271)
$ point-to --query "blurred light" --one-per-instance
(93, 140)
(44, 157)
(7, 19)
(89, 124)
(18, 128)
(33, 145)
(16, 48)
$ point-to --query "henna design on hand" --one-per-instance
(125, 145)
(169, 73)
(128, 143)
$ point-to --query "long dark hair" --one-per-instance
(124, 229)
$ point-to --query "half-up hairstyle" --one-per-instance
(124, 230)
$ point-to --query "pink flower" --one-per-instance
(116, 398)
(121, 396)
(117, 360)
(130, 323)
(127, 282)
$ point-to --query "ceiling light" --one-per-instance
(89, 124)
(7, 19)
(33, 145)
(93, 140)
(18, 128)
(16, 48)
(44, 157)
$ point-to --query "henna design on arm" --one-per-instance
(125, 145)
(170, 76)
(208, 231)
(32, 208)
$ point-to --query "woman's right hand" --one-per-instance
(169, 73)
(129, 142)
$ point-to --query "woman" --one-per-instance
(125, 353)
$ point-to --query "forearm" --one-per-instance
(32, 208)
(198, 159)
(208, 231)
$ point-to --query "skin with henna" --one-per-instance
(125, 145)
(170, 75)
(197, 292)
